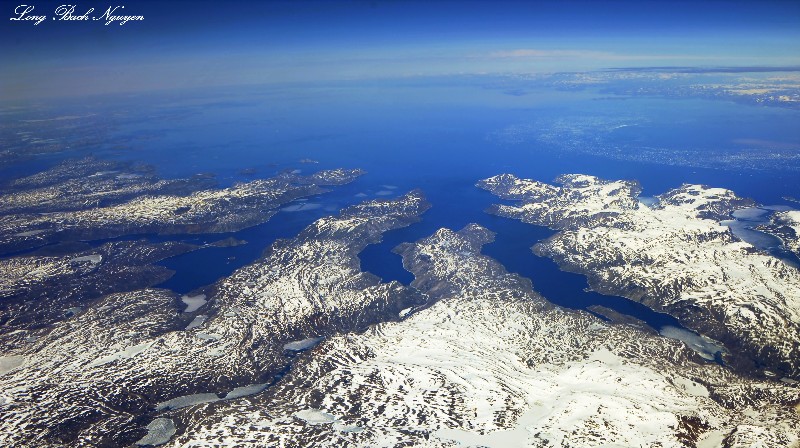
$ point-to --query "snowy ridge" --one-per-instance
(491, 363)
(673, 257)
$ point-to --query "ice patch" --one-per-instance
(191, 400)
(712, 439)
(159, 432)
(405, 312)
(648, 201)
(339, 426)
(193, 302)
(778, 208)
(597, 326)
(129, 352)
(244, 391)
(743, 231)
(197, 321)
(361, 195)
(315, 417)
(216, 352)
(704, 346)
(208, 336)
(92, 258)
(690, 387)
(9, 363)
(749, 213)
(29, 233)
(305, 344)
(301, 207)
(187, 400)
(384, 193)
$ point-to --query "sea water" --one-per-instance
(441, 137)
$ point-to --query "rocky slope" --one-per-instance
(101, 376)
(673, 256)
(490, 363)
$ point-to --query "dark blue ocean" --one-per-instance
(441, 137)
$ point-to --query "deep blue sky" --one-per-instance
(202, 43)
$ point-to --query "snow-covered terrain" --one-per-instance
(90, 182)
(490, 363)
(99, 376)
(302, 348)
(204, 211)
(673, 256)
(786, 225)
(37, 290)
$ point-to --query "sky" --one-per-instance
(203, 44)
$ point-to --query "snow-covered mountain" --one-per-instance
(673, 256)
(491, 363)
(102, 375)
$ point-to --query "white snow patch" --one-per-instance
(216, 352)
(690, 387)
(339, 426)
